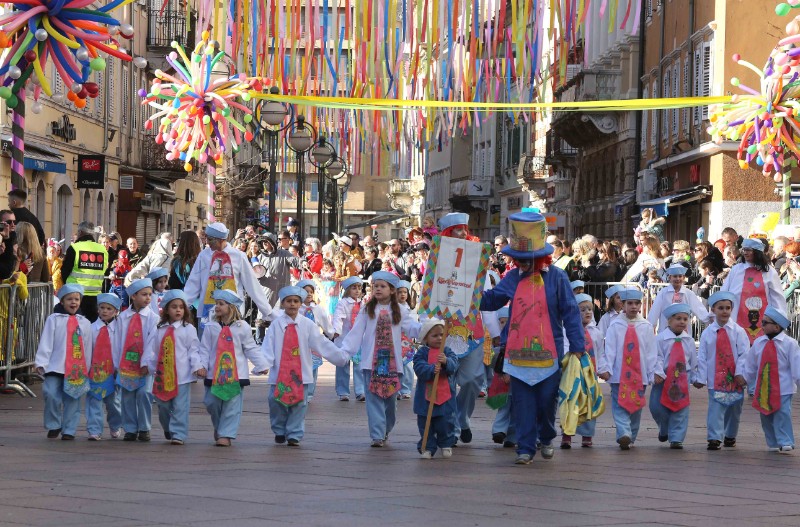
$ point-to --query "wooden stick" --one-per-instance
(433, 390)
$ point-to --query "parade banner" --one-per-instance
(454, 279)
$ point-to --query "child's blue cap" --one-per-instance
(69, 288)
(387, 277)
(721, 295)
(404, 283)
(138, 285)
(676, 270)
(613, 290)
(583, 297)
(292, 290)
(350, 281)
(577, 283)
(502, 312)
(630, 293)
(156, 273)
(777, 317)
(675, 309)
(226, 296)
(174, 294)
(110, 299)
(303, 283)
(754, 244)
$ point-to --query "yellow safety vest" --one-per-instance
(91, 260)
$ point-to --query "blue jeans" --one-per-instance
(534, 412)
(343, 379)
(174, 414)
(502, 421)
(94, 412)
(488, 375)
(225, 415)
(137, 408)
(408, 379)
(587, 429)
(627, 424)
(311, 388)
(672, 424)
(291, 421)
(469, 377)
(778, 426)
(381, 413)
(440, 435)
(722, 421)
(60, 410)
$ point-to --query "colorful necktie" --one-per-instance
(767, 397)
(442, 392)
(101, 376)
(752, 303)
(354, 313)
(165, 381)
(225, 381)
(677, 297)
(220, 276)
(76, 380)
(589, 347)
(726, 391)
(631, 387)
(675, 392)
(289, 389)
(384, 381)
(130, 375)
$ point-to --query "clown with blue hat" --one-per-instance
(676, 293)
(542, 302)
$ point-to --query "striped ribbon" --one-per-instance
(18, 140)
(212, 190)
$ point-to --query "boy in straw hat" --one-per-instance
(542, 311)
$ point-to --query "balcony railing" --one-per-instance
(154, 158)
(409, 187)
(167, 25)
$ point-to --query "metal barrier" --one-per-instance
(21, 325)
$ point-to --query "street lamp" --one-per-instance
(322, 154)
(271, 119)
(334, 172)
(343, 183)
(300, 139)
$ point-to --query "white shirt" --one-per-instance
(664, 299)
(155, 302)
(611, 361)
(309, 339)
(707, 354)
(606, 320)
(664, 342)
(243, 275)
(772, 282)
(243, 344)
(187, 351)
(52, 351)
(149, 325)
(362, 336)
(342, 316)
(321, 318)
(112, 326)
(597, 341)
(788, 363)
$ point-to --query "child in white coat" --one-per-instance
(287, 349)
(104, 391)
(403, 297)
(343, 319)
(63, 357)
(160, 277)
(315, 313)
(614, 308)
(676, 293)
(175, 362)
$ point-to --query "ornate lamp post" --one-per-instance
(342, 184)
(322, 154)
(271, 117)
(334, 172)
(300, 139)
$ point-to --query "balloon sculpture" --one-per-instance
(70, 33)
(195, 106)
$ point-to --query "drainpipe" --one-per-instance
(639, 94)
(105, 113)
(691, 65)
(660, 113)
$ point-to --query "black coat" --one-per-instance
(23, 214)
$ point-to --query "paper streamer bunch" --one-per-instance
(195, 117)
(72, 34)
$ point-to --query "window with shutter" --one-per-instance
(666, 87)
(698, 86)
(649, 9)
(654, 124)
(685, 111)
(708, 76)
(676, 79)
(645, 117)
(111, 70)
(125, 106)
(99, 103)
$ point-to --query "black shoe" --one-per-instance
(67, 437)
(662, 439)
(498, 437)
(361, 398)
(280, 439)
(466, 435)
(509, 444)
(144, 435)
(53, 434)
(293, 442)
(676, 445)
(729, 442)
(713, 444)
(129, 436)
(167, 435)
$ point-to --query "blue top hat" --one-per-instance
(527, 238)
(453, 219)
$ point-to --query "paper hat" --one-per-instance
(676, 270)
(427, 326)
(110, 299)
(752, 243)
(404, 283)
(502, 312)
(346, 241)
(387, 277)
(226, 296)
(173, 294)
(452, 219)
(70, 288)
(156, 273)
(217, 230)
(527, 238)
(577, 283)
(303, 283)
(721, 295)
(292, 290)
(581, 298)
(777, 317)
(613, 290)
(630, 293)
(674, 309)
(350, 281)
(138, 285)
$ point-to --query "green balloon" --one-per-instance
(12, 101)
(5, 92)
(98, 64)
(782, 9)
(226, 112)
(248, 118)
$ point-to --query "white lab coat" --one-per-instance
(52, 351)
(187, 351)
(149, 326)
(611, 361)
(772, 282)
(707, 353)
(664, 299)
(362, 336)
(243, 344)
(788, 363)
(664, 341)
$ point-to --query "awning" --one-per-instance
(661, 205)
(627, 199)
(381, 219)
(37, 156)
(158, 187)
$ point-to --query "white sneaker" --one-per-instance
(787, 449)
(94, 437)
(425, 455)
(447, 452)
(773, 449)
(115, 433)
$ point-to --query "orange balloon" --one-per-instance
(4, 39)
(71, 95)
(80, 103)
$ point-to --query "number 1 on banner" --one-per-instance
(459, 254)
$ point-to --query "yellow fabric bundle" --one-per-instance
(579, 396)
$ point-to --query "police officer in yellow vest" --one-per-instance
(85, 263)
